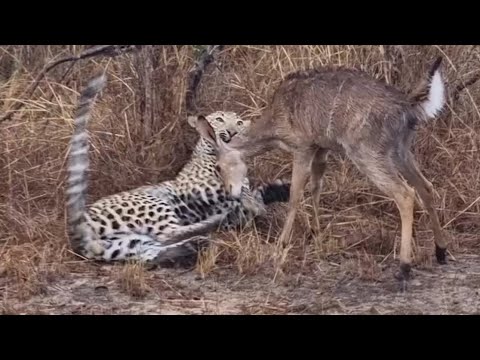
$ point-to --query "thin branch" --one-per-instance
(463, 85)
(101, 50)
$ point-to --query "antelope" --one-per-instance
(320, 110)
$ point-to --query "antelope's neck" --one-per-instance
(252, 143)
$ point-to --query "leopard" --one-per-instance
(156, 224)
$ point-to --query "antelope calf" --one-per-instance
(317, 111)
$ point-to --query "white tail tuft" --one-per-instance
(436, 96)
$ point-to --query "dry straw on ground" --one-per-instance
(139, 135)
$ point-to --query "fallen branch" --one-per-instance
(101, 50)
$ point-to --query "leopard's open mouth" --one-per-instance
(225, 137)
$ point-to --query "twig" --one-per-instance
(105, 50)
(461, 212)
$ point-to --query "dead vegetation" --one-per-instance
(139, 135)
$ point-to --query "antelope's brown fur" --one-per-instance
(338, 109)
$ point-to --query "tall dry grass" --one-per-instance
(137, 141)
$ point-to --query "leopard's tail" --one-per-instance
(78, 163)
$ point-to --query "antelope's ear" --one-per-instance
(205, 130)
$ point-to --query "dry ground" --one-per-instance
(139, 136)
(325, 287)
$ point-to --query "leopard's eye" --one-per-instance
(239, 122)
(219, 119)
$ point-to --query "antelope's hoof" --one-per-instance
(403, 275)
(441, 255)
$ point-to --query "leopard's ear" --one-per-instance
(192, 120)
(205, 130)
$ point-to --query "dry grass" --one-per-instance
(132, 280)
(360, 227)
